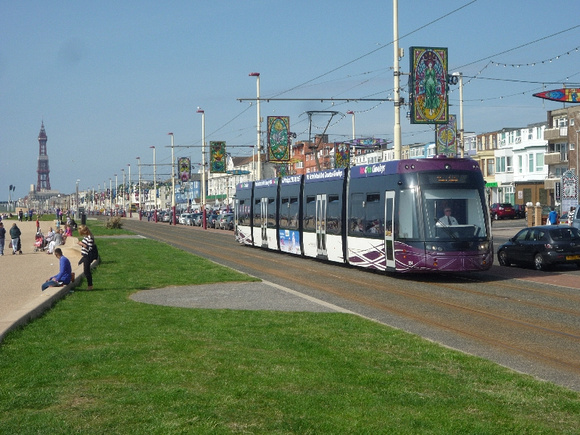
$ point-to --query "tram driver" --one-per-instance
(447, 220)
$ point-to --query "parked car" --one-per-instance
(226, 221)
(196, 219)
(563, 220)
(520, 210)
(211, 219)
(542, 247)
(184, 219)
(502, 211)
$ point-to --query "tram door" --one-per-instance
(321, 202)
(390, 228)
(264, 220)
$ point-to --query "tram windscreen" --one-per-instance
(451, 214)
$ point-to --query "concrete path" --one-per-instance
(21, 276)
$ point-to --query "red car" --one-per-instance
(502, 211)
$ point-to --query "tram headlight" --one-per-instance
(484, 246)
(435, 248)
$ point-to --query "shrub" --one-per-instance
(114, 223)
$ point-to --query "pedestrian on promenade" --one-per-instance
(2, 238)
(64, 275)
(87, 245)
(552, 217)
(15, 236)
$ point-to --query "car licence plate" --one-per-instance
(572, 257)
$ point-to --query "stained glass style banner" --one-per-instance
(217, 157)
(184, 165)
(278, 139)
(342, 155)
(428, 85)
(446, 137)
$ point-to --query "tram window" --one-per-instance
(310, 213)
(356, 214)
(271, 213)
(243, 216)
(333, 214)
(284, 212)
(257, 212)
(408, 227)
(373, 219)
(293, 213)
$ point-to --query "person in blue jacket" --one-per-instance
(64, 275)
(552, 217)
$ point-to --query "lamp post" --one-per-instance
(116, 194)
(350, 112)
(460, 75)
(111, 196)
(203, 211)
(139, 192)
(172, 182)
(258, 172)
(77, 198)
(130, 192)
(396, 73)
(577, 171)
(154, 180)
(123, 197)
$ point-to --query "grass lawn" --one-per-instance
(101, 363)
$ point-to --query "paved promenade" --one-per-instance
(22, 275)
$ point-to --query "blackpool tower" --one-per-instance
(43, 171)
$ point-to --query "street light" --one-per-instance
(116, 193)
(200, 110)
(154, 180)
(258, 125)
(130, 192)
(460, 75)
(124, 192)
(350, 112)
(139, 194)
(172, 181)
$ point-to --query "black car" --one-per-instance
(542, 247)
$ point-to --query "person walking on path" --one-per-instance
(87, 245)
(15, 236)
(2, 238)
(552, 217)
(64, 275)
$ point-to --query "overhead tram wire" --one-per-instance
(375, 50)
(518, 47)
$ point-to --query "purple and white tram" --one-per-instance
(384, 216)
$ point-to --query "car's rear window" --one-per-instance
(506, 205)
(564, 234)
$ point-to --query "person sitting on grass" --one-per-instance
(64, 275)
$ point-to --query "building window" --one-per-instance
(530, 163)
(490, 167)
(539, 162)
(520, 164)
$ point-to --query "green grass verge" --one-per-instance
(99, 362)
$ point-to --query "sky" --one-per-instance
(111, 79)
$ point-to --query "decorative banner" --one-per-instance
(342, 155)
(428, 85)
(278, 139)
(217, 157)
(446, 137)
(569, 190)
(565, 95)
(184, 165)
(368, 142)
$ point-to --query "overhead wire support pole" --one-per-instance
(397, 98)
(315, 148)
